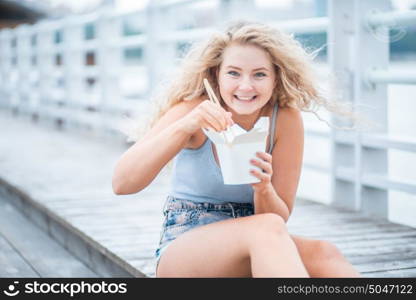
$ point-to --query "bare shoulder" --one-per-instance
(289, 122)
(289, 114)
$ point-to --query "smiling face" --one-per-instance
(246, 80)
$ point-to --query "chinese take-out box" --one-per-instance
(236, 146)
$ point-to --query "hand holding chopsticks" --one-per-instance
(214, 99)
(211, 93)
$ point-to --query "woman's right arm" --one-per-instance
(141, 163)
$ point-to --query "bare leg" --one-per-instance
(323, 259)
(257, 245)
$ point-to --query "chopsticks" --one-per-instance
(210, 92)
(214, 99)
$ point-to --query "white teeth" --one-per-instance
(245, 98)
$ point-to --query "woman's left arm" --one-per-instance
(277, 190)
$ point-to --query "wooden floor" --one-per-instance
(27, 251)
(131, 230)
(68, 176)
(375, 247)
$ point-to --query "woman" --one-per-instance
(217, 230)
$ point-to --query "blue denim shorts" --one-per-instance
(182, 215)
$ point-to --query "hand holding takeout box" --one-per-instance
(235, 147)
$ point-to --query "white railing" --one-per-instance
(74, 70)
(392, 76)
(392, 19)
(360, 175)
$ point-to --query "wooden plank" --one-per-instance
(138, 242)
(349, 229)
(321, 213)
(44, 254)
(142, 249)
(332, 220)
(397, 240)
(12, 264)
(371, 236)
(128, 233)
(123, 234)
(132, 241)
(139, 255)
(387, 265)
(406, 246)
(125, 244)
(129, 250)
(109, 198)
(148, 266)
(392, 256)
(341, 228)
(143, 246)
(114, 222)
(127, 228)
(404, 273)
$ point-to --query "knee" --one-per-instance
(326, 251)
(270, 223)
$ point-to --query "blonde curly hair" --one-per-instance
(296, 84)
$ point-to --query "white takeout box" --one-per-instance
(236, 146)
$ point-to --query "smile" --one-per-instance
(245, 99)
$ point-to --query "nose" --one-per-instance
(245, 84)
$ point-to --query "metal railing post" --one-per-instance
(159, 54)
(44, 66)
(34, 80)
(6, 65)
(109, 60)
(340, 40)
(72, 63)
(371, 50)
(355, 48)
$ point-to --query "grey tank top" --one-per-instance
(196, 175)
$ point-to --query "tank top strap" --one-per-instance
(272, 129)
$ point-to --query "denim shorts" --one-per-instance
(182, 215)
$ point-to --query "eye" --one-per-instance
(260, 74)
(233, 73)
